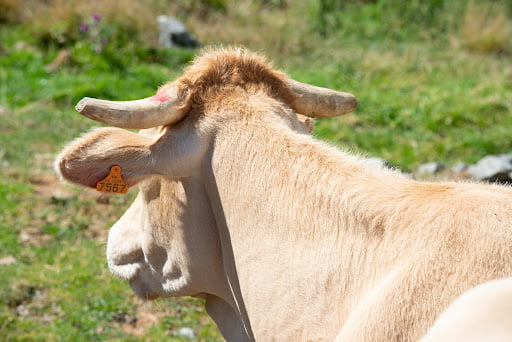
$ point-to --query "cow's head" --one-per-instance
(167, 242)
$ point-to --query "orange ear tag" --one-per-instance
(113, 183)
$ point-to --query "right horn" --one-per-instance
(164, 108)
(320, 102)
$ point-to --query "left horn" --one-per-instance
(158, 110)
(320, 102)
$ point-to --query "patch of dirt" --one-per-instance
(49, 186)
(25, 299)
(4, 111)
(145, 317)
(34, 237)
(72, 204)
(7, 260)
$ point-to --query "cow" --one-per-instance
(484, 313)
(285, 237)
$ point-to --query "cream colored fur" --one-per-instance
(483, 314)
(286, 238)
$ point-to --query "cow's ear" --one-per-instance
(87, 160)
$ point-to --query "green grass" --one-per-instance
(424, 95)
(423, 104)
(59, 288)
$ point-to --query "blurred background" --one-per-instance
(433, 79)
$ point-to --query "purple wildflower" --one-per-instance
(84, 27)
(96, 17)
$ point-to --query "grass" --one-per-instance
(486, 28)
(430, 88)
(424, 104)
(59, 288)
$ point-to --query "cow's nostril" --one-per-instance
(133, 257)
(126, 265)
(156, 256)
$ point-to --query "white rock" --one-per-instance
(430, 168)
(7, 260)
(492, 168)
(173, 33)
(377, 163)
(460, 167)
(187, 332)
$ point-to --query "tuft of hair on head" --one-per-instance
(233, 67)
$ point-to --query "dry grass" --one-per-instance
(62, 18)
(486, 28)
(250, 23)
(45, 13)
(277, 32)
(66, 15)
(9, 10)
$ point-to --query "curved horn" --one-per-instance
(320, 102)
(158, 110)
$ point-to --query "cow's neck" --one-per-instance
(282, 204)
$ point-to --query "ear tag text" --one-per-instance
(113, 183)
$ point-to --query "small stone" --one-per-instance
(378, 163)
(22, 310)
(7, 260)
(430, 168)
(187, 333)
(174, 33)
(24, 46)
(493, 168)
(460, 167)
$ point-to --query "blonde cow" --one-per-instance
(285, 237)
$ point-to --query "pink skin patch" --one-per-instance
(160, 97)
(94, 183)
